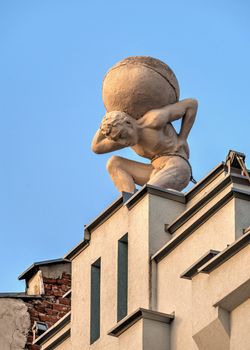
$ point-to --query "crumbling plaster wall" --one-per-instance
(14, 324)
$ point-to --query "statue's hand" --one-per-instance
(181, 146)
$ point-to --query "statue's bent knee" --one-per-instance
(113, 163)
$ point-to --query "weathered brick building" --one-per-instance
(45, 301)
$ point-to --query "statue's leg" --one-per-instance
(125, 173)
(175, 174)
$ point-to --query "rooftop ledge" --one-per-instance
(226, 254)
(137, 315)
(146, 189)
(19, 295)
(178, 239)
(35, 267)
(185, 216)
(170, 194)
(193, 269)
(116, 205)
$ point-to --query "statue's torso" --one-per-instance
(154, 142)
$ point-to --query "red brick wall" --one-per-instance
(51, 307)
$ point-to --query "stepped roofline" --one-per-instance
(223, 167)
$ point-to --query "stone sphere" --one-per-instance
(138, 84)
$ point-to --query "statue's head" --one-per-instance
(120, 127)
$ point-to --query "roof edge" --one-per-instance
(166, 193)
(116, 205)
(19, 295)
(178, 239)
(226, 254)
(35, 266)
(150, 189)
(206, 180)
(192, 270)
(77, 249)
(135, 316)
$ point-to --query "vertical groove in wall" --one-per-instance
(152, 285)
(122, 278)
(95, 301)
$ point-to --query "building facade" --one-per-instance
(164, 271)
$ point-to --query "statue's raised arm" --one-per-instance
(106, 138)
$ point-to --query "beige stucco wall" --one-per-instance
(161, 211)
(138, 256)
(132, 339)
(145, 334)
(14, 324)
(175, 293)
(208, 290)
(104, 244)
(240, 326)
(225, 221)
(242, 217)
(158, 285)
(156, 335)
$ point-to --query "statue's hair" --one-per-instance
(114, 119)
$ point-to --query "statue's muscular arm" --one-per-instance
(158, 118)
(101, 144)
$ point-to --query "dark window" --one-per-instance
(95, 301)
(122, 278)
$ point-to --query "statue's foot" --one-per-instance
(127, 195)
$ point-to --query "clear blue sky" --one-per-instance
(54, 55)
